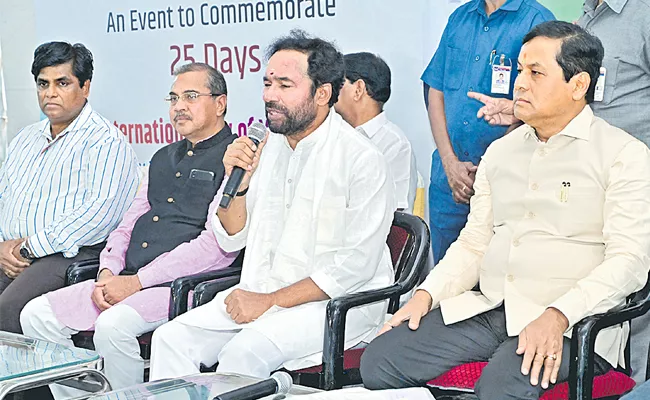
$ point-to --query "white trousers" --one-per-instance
(115, 338)
(179, 349)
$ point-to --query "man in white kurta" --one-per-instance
(314, 221)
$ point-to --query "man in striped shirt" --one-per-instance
(65, 185)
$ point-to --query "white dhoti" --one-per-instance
(289, 338)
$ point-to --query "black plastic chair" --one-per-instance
(581, 373)
(581, 383)
(409, 243)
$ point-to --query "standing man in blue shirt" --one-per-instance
(481, 41)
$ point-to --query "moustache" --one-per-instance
(182, 116)
(270, 106)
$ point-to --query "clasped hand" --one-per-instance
(110, 290)
(244, 306)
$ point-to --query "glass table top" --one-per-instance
(194, 387)
(22, 356)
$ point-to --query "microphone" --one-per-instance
(279, 383)
(256, 133)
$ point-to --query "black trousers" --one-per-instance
(43, 275)
(405, 358)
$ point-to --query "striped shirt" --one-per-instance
(69, 192)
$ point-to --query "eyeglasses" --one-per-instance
(189, 97)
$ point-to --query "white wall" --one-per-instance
(18, 37)
(18, 41)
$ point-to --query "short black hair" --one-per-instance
(57, 53)
(580, 51)
(371, 69)
(325, 62)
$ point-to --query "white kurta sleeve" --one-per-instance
(402, 165)
(367, 218)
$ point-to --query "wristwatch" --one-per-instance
(26, 251)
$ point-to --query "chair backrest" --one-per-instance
(408, 242)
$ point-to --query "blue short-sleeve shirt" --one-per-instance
(462, 64)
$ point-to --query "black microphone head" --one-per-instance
(283, 379)
(257, 132)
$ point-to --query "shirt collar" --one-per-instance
(210, 141)
(615, 5)
(510, 5)
(579, 127)
(75, 125)
(371, 127)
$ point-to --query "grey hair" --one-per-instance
(216, 81)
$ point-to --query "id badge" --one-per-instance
(599, 94)
(501, 79)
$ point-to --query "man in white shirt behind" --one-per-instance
(557, 231)
(314, 221)
(361, 104)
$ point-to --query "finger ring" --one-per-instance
(464, 188)
(389, 324)
(552, 356)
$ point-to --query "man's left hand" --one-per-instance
(118, 288)
(541, 344)
(244, 307)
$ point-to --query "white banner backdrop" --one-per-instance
(136, 45)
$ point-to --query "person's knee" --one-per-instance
(162, 335)
(377, 365)
(235, 350)
(372, 360)
(499, 382)
(250, 353)
(109, 329)
(31, 315)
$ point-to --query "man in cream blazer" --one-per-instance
(558, 230)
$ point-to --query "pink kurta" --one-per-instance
(73, 305)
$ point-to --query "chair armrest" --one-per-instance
(205, 291)
(82, 271)
(181, 287)
(415, 259)
(581, 368)
(334, 339)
